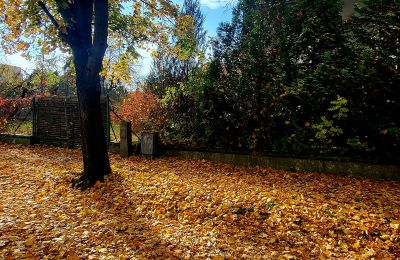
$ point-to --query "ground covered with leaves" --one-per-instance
(172, 208)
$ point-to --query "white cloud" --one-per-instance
(146, 62)
(19, 61)
(57, 59)
(215, 4)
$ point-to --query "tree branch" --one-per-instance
(152, 6)
(63, 36)
(100, 26)
(100, 34)
(51, 17)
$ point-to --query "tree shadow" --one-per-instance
(131, 226)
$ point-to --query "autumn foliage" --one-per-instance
(10, 107)
(143, 110)
(176, 209)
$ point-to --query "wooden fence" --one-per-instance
(56, 121)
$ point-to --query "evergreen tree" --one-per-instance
(170, 68)
(191, 62)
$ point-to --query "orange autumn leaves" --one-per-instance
(171, 208)
(10, 107)
(143, 110)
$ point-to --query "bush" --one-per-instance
(9, 108)
(144, 111)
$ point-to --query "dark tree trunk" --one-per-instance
(94, 148)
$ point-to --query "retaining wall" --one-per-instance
(281, 163)
(295, 164)
(17, 139)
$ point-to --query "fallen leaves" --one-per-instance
(170, 208)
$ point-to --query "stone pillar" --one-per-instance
(149, 143)
(125, 143)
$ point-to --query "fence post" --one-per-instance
(34, 112)
(108, 123)
(125, 143)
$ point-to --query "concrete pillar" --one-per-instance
(125, 143)
(149, 144)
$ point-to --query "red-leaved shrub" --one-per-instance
(144, 111)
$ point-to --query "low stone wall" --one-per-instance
(295, 164)
(17, 139)
(281, 163)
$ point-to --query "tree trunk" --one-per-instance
(94, 149)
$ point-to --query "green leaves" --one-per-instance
(293, 78)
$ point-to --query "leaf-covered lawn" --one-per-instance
(172, 208)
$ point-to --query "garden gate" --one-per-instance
(56, 121)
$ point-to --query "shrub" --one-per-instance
(144, 111)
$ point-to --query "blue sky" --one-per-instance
(215, 11)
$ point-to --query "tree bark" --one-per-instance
(88, 51)
(93, 144)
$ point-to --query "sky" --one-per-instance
(215, 12)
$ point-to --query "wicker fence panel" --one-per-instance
(56, 121)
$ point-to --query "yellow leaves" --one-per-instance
(346, 231)
(116, 67)
(30, 241)
(101, 249)
(154, 54)
(21, 26)
(332, 233)
(21, 46)
(327, 253)
(395, 224)
(363, 227)
(343, 245)
(273, 240)
(368, 253)
(23, 22)
(388, 244)
(85, 212)
(218, 258)
(167, 208)
(137, 5)
(61, 188)
(356, 244)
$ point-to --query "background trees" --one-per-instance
(174, 67)
(293, 77)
